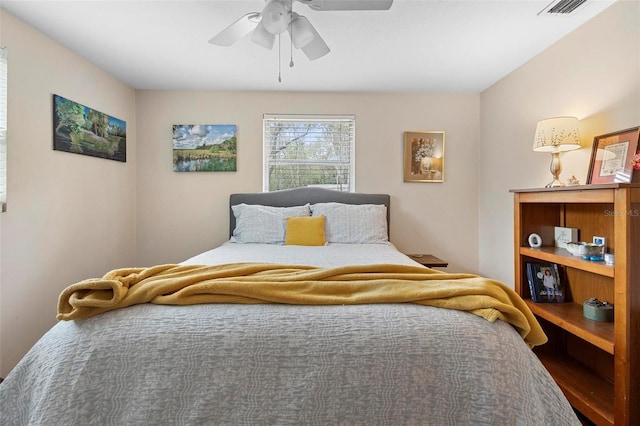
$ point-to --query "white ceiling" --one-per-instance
(450, 46)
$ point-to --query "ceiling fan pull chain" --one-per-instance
(291, 47)
(291, 37)
(279, 61)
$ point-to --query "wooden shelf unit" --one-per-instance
(596, 364)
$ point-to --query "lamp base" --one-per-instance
(555, 168)
(555, 184)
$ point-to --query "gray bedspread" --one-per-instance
(282, 365)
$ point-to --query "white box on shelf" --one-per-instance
(562, 236)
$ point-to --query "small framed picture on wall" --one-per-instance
(424, 156)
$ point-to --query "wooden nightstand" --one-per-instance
(429, 260)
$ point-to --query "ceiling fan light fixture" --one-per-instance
(275, 17)
(278, 16)
(263, 37)
(317, 48)
(301, 31)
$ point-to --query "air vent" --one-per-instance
(562, 7)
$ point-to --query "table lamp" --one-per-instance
(555, 135)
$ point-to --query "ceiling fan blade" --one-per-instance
(323, 5)
(237, 30)
(317, 48)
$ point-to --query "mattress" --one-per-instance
(329, 255)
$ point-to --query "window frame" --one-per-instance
(350, 131)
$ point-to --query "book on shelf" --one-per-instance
(545, 282)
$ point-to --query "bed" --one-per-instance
(244, 359)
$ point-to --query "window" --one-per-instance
(309, 150)
(3, 129)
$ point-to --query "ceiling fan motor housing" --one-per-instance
(276, 16)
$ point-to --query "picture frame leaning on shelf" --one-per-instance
(614, 157)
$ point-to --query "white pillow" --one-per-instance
(353, 224)
(263, 224)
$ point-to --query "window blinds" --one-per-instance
(309, 150)
(3, 129)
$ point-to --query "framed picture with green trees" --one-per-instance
(204, 147)
(80, 129)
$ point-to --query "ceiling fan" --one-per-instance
(278, 16)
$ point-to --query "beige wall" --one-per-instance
(69, 217)
(181, 214)
(593, 74)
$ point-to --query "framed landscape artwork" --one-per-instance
(83, 130)
(424, 156)
(204, 148)
(614, 156)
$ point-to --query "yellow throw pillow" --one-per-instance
(305, 231)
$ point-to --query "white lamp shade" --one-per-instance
(317, 48)
(557, 134)
(263, 37)
(301, 31)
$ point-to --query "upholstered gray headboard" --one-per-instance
(301, 196)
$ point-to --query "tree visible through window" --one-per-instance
(306, 150)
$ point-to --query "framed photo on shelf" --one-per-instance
(545, 283)
(614, 157)
(424, 156)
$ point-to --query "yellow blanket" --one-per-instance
(301, 285)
